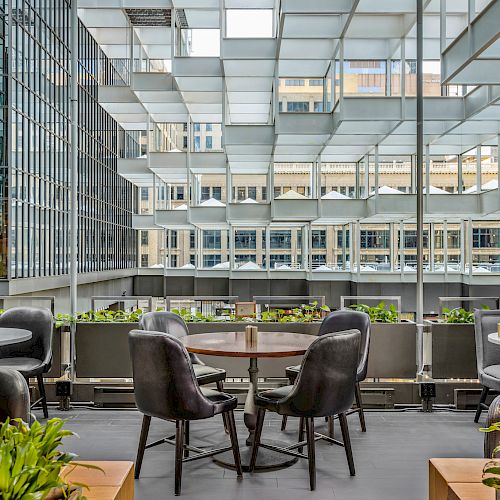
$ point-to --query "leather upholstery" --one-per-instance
(338, 321)
(14, 395)
(165, 384)
(34, 356)
(167, 322)
(492, 439)
(488, 354)
(326, 382)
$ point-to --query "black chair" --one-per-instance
(165, 387)
(32, 358)
(487, 354)
(492, 439)
(338, 321)
(168, 322)
(14, 396)
(325, 386)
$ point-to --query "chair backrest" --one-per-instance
(487, 353)
(345, 319)
(14, 395)
(40, 323)
(166, 322)
(326, 381)
(164, 382)
(492, 439)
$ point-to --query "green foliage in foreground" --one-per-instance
(30, 462)
(492, 467)
(459, 315)
(379, 313)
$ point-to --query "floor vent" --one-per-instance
(114, 397)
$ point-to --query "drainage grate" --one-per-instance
(149, 17)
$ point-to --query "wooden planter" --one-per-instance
(453, 350)
(393, 351)
(55, 370)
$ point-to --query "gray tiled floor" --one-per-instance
(391, 458)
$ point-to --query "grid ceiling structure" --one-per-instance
(239, 88)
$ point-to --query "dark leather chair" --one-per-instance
(165, 387)
(32, 358)
(492, 439)
(487, 354)
(338, 321)
(173, 324)
(14, 396)
(325, 386)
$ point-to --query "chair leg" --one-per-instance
(256, 438)
(186, 437)
(330, 427)
(146, 420)
(234, 443)
(359, 404)
(179, 446)
(220, 388)
(482, 400)
(301, 433)
(283, 422)
(311, 454)
(43, 396)
(347, 443)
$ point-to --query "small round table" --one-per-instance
(269, 345)
(494, 338)
(14, 335)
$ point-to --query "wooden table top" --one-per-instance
(233, 344)
(470, 491)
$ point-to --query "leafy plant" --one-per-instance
(30, 462)
(306, 313)
(379, 313)
(492, 467)
(108, 316)
(190, 317)
(459, 315)
(63, 320)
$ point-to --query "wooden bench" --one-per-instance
(116, 483)
(458, 479)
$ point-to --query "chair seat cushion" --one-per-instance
(270, 399)
(26, 366)
(208, 374)
(292, 372)
(222, 401)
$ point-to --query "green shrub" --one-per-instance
(379, 313)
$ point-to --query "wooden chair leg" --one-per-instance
(179, 446)
(283, 422)
(41, 388)
(311, 454)
(347, 442)
(482, 400)
(301, 433)
(331, 429)
(186, 437)
(220, 388)
(234, 443)
(359, 404)
(146, 420)
(256, 438)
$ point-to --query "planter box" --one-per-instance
(393, 351)
(55, 370)
(102, 350)
(453, 350)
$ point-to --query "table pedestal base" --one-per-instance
(266, 459)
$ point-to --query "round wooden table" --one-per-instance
(10, 336)
(269, 345)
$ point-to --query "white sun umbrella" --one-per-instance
(366, 268)
(387, 190)
(156, 266)
(187, 266)
(283, 266)
(249, 266)
(480, 269)
(181, 207)
(409, 269)
(323, 269)
(472, 189)
(212, 202)
(435, 190)
(493, 184)
(175, 150)
(222, 265)
(248, 200)
(334, 195)
(291, 195)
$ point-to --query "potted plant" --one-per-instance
(31, 463)
(491, 470)
(453, 334)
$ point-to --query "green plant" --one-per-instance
(108, 316)
(492, 467)
(306, 313)
(30, 462)
(63, 320)
(459, 315)
(379, 313)
(196, 317)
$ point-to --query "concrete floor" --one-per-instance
(391, 458)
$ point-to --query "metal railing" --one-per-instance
(120, 300)
(444, 300)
